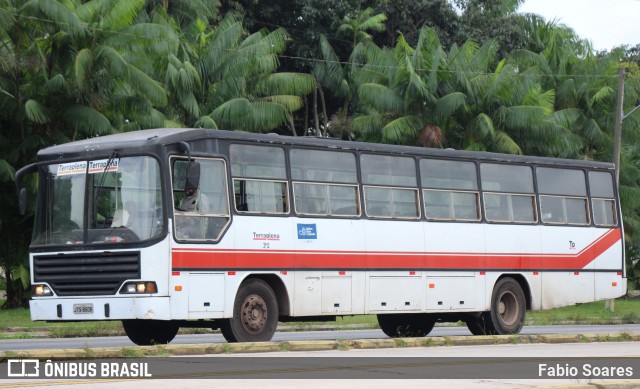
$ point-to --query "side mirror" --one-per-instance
(22, 201)
(193, 175)
(22, 191)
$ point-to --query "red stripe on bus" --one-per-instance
(214, 258)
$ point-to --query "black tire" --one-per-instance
(255, 314)
(508, 307)
(150, 332)
(479, 325)
(406, 325)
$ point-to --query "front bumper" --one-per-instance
(52, 309)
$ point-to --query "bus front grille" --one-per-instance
(86, 274)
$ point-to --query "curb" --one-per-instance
(316, 345)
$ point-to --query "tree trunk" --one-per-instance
(324, 112)
(315, 111)
(306, 115)
(291, 124)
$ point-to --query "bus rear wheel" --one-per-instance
(255, 314)
(508, 307)
(150, 332)
(406, 325)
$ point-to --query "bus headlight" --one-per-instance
(41, 290)
(139, 287)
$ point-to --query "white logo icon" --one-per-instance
(23, 368)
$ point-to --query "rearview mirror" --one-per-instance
(193, 175)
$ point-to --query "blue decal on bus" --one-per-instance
(307, 231)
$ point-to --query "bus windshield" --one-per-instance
(110, 200)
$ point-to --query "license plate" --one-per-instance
(82, 308)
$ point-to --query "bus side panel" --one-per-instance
(568, 260)
(452, 248)
(264, 245)
(514, 249)
(329, 254)
(610, 284)
(398, 247)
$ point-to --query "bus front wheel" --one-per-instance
(150, 332)
(409, 325)
(508, 307)
(255, 314)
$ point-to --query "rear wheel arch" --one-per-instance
(278, 287)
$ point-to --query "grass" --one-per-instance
(627, 311)
(16, 323)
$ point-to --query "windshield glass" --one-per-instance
(122, 203)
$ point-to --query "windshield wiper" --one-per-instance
(113, 156)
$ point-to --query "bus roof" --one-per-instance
(148, 140)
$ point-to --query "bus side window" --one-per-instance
(508, 193)
(450, 190)
(603, 200)
(563, 196)
(259, 179)
(390, 186)
(205, 213)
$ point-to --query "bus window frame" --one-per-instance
(223, 229)
(328, 186)
(451, 205)
(247, 212)
(408, 218)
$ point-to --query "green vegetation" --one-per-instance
(626, 312)
(16, 323)
(465, 74)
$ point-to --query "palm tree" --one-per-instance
(220, 77)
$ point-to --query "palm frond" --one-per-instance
(145, 38)
(89, 11)
(402, 129)
(230, 112)
(63, 17)
(82, 68)
(482, 125)
(566, 118)
(523, 117)
(291, 103)
(368, 125)
(374, 23)
(601, 94)
(380, 97)
(7, 172)
(87, 120)
(55, 84)
(447, 105)
(503, 143)
(268, 115)
(147, 86)
(298, 84)
(119, 14)
(36, 112)
(206, 122)
(592, 132)
(114, 61)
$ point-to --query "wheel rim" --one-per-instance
(508, 309)
(254, 313)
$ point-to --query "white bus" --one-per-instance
(171, 228)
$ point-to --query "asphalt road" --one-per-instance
(119, 341)
(388, 371)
